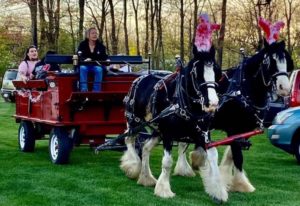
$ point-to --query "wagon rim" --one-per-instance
(22, 137)
(54, 147)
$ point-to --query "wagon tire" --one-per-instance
(26, 138)
(297, 150)
(60, 146)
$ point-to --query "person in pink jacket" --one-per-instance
(27, 65)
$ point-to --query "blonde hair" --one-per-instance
(88, 31)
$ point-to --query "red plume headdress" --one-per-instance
(203, 38)
(271, 31)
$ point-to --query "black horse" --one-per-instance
(176, 108)
(243, 104)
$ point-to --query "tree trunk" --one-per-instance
(81, 19)
(125, 28)
(33, 15)
(53, 9)
(146, 46)
(103, 19)
(152, 30)
(288, 12)
(135, 9)
(71, 26)
(114, 40)
(182, 30)
(222, 34)
(43, 26)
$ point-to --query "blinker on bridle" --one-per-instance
(266, 63)
(194, 75)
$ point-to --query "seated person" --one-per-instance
(27, 65)
(41, 68)
(91, 49)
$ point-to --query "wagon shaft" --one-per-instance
(230, 139)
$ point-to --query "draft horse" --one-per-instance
(177, 108)
(245, 91)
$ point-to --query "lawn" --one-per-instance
(90, 179)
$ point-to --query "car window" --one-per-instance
(10, 75)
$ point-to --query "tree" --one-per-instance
(81, 18)
(135, 9)
(114, 40)
(289, 9)
(125, 28)
(69, 9)
(222, 34)
(33, 15)
(146, 45)
(182, 29)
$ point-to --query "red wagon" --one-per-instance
(54, 106)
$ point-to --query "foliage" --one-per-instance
(29, 179)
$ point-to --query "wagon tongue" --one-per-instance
(230, 139)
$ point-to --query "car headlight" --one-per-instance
(281, 117)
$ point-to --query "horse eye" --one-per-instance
(274, 56)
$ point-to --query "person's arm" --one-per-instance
(22, 70)
(81, 51)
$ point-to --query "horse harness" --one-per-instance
(237, 92)
(179, 106)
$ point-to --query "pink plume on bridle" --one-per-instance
(203, 38)
(271, 31)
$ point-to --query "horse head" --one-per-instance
(203, 68)
(275, 66)
(276, 62)
(204, 73)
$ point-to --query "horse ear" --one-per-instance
(281, 44)
(212, 51)
(266, 44)
(289, 61)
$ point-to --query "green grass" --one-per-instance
(90, 179)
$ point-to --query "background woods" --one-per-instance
(163, 28)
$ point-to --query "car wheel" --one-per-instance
(297, 150)
(26, 137)
(60, 146)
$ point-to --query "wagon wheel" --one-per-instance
(60, 146)
(26, 136)
(297, 150)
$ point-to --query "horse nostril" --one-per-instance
(280, 86)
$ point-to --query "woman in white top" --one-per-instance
(27, 65)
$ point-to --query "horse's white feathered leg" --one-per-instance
(130, 161)
(240, 182)
(226, 168)
(146, 178)
(163, 188)
(182, 167)
(211, 177)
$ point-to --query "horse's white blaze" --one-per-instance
(283, 85)
(209, 76)
(163, 188)
(146, 178)
(211, 176)
(182, 167)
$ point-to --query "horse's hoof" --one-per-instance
(147, 182)
(165, 194)
(217, 201)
